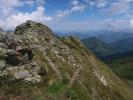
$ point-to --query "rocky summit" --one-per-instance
(35, 64)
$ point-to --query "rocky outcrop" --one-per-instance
(16, 57)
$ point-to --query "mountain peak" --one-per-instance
(31, 25)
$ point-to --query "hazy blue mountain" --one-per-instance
(106, 36)
(114, 36)
(80, 35)
(99, 47)
(123, 45)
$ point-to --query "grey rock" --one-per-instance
(22, 74)
(2, 64)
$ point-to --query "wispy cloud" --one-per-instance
(119, 7)
(76, 6)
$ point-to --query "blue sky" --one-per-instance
(69, 15)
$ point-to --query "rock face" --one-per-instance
(17, 54)
(34, 63)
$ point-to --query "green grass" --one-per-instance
(55, 90)
(15, 87)
(77, 93)
(123, 68)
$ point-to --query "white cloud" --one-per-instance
(98, 3)
(76, 6)
(74, 2)
(11, 17)
(102, 4)
(113, 8)
(129, 0)
(94, 25)
(40, 2)
(7, 7)
(29, 2)
(119, 7)
(131, 23)
(16, 19)
(114, 24)
(63, 13)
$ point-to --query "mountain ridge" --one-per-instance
(37, 64)
(123, 45)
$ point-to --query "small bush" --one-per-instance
(71, 94)
(65, 78)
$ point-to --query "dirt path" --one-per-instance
(76, 73)
(85, 88)
(92, 61)
(54, 67)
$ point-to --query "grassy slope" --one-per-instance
(123, 68)
(86, 87)
(117, 84)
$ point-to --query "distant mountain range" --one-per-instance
(106, 36)
(99, 47)
(114, 36)
(123, 45)
(80, 35)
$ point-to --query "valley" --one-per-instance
(117, 55)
